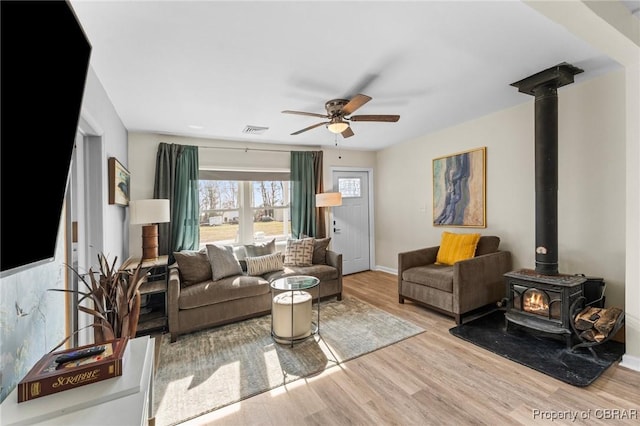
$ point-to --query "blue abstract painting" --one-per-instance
(459, 189)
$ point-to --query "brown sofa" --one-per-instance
(199, 305)
(458, 289)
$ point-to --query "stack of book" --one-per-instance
(69, 369)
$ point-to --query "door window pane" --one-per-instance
(349, 187)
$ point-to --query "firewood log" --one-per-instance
(588, 335)
(587, 318)
(607, 320)
(592, 336)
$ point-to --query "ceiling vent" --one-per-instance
(255, 130)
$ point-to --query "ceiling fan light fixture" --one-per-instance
(339, 115)
(337, 126)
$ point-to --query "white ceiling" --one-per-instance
(169, 65)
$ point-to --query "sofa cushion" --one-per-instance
(322, 272)
(456, 247)
(254, 250)
(435, 276)
(230, 288)
(320, 246)
(299, 252)
(487, 244)
(194, 266)
(262, 264)
(239, 252)
(223, 262)
(320, 250)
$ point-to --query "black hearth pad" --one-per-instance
(545, 354)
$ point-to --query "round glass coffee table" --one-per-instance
(291, 308)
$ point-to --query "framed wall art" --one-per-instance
(119, 183)
(459, 189)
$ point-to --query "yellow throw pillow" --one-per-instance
(456, 247)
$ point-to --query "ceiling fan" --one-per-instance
(337, 112)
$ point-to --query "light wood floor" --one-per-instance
(432, 379)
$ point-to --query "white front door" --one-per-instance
(350, 222)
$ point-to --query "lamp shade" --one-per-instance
(149, 211)
(328, 199)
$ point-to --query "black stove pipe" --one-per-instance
(543, 86)
(546, 179)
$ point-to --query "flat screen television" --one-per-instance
(45, 58)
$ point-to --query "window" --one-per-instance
(243, 211)
(349, 187)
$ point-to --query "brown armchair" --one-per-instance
(458, 289)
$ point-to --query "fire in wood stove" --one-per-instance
(539, 302)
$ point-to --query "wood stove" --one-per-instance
(542, 302)
(542, 299)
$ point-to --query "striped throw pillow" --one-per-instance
(262, 264)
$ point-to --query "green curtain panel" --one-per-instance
(177, 180)
(186, 236)
(303, 193)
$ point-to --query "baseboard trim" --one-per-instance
(385, 269)
(631, 362)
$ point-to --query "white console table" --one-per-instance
(123, 400)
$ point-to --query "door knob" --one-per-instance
(336, 229)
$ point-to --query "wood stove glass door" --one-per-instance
(536, 301)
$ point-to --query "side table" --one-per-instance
(296, 299)
(154, 283)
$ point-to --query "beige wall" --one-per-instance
(591, 194)
(345, 158)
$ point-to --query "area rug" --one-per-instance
(540, 352)
(207, 370)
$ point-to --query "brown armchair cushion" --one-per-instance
(487, 244)
(435, 276)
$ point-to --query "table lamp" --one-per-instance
(149, 213)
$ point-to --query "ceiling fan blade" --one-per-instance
(309, 128)
(356, 102)
(386, 118)
(347, 133)
(311, 114)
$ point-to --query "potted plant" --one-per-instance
(114, 296)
